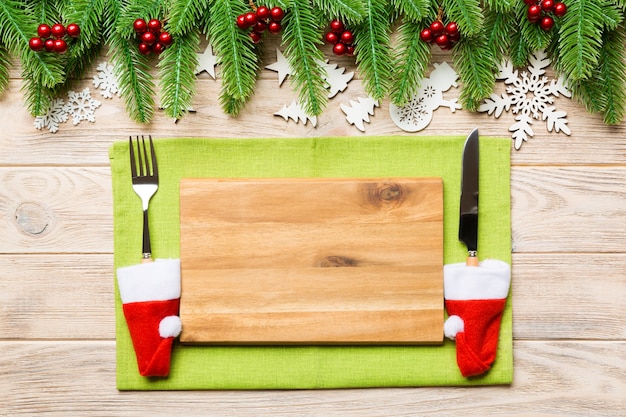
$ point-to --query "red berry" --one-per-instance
(347, 37)
(165, 38)
(443, 41)
(144, 48)
(140, 25)
(454, 37)
(560, 9)
(534, 13)
(148, 38)
(60, 46)
(154, 25)
(250, 19)
(158, 47)
(260, 26)
(437, 28)
(241, 22)
(44, 31)
(274, 27)
(73, 30)
(58, 31)
(49, 45)
(547, 5)
(36, 44)
(546, 23)
(262, 13)
(339, 48)
(530, 2)
(277, 14)
(350, 50)
(337, 27)
(256, 37)
(426, 35)
(332, 38)
(452, 28)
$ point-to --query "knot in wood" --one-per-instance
(32, 218)
(335, 261)
(386, 194)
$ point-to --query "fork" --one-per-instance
(145, 178)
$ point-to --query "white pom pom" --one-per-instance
(452, 326)
(170, 326)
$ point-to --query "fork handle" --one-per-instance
(147, 250)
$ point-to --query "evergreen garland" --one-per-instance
(587, 46)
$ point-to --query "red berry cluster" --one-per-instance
(52, 38)
(341, 38)
(539, 12)
(260, 20)
(151, 38)
(443, 35)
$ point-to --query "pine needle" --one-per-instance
(612, 73)
(178, 78)
(349, 12)
(413, 10)
(4, 68)
(411, 62)
(466, 13)
(301, 35)
(476, 68)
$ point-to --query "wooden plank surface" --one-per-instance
(312, 261)
(56, 288)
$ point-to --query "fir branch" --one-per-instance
(612, 73)
(500, 6)
(372, 49)
(476, 68)
(135, 82)
(411, 62)
(613, 16)
(413, 10)
(301, 35)
(580, 39)
(236, 53)
(145, 9)
(184, 15)
(87, 14)
(178, 78)
(5, 62)
(498, 30)
(350, 12)
(466, 13)
(37, 96)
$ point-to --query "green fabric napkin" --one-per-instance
(297, 367)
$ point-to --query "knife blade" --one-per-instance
(468, 216)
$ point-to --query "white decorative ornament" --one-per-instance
(281, 66)
(359, 111)
(106, 81)
(206, 62)
(336, 78)
(56, 114)
(529, 95)
(81, 106)
(296, 113)
(418, 112)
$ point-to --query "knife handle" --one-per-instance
(471, 260)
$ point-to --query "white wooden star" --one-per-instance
(281, 66)
(206, 62)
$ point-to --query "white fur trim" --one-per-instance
(489, 280)
(452, 326)
(152, 281)
(170, 326)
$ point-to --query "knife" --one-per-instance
(468, 217)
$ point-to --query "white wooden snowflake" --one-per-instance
(359, 111)
(296, 113)
(529, 95)
(56, 114)
(106, 81)
(81, 106)
(418, 112)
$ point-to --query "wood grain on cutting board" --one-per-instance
(328, 261)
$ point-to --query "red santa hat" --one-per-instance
(150, 294)
(475, 298)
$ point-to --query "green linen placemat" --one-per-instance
(299, 367)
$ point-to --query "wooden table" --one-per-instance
(57, 335)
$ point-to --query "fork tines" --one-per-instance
(147, 166)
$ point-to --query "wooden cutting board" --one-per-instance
(312, 261)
